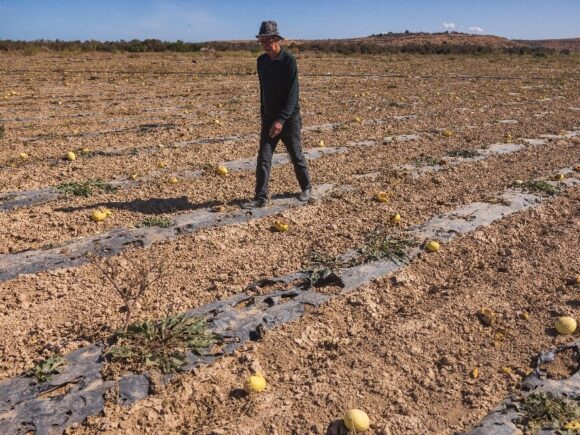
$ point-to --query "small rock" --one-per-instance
(430, 374)
(447, 361)
(337, 427)
(150, 414)
(355, 301)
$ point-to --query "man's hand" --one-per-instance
(275, 129)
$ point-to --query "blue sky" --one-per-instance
(205, 20)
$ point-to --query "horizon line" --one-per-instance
(293, 39)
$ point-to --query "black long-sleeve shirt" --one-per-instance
(278, 86)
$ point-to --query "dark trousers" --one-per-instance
(291, 136)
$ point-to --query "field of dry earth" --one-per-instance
(403, 347)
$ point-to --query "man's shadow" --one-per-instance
(155, 206)
(150, 206)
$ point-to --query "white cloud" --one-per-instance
(476, 29)
(449, 25)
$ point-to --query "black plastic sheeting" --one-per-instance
(502, 420)
(24, 408)
(145, 128)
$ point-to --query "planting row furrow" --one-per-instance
(203, 141)
(14, 200)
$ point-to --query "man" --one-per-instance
(280, 112)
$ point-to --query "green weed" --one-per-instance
(540, 186)
(83, 152)
(322, 268)
(379, 246)
(466, 154)
(426, 161)
(162, 344)
(44, 370)
(85, 188)
(156, 221)
(544, 411)
(6, 198)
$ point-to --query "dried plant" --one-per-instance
(380, 245)
(130, 279)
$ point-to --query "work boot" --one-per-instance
(256, 203)
(305, 194)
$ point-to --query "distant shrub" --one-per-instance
(30, 50)
(344, 47)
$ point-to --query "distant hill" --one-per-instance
(443, 42)
(443, 38)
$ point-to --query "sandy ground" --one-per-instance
(401, 348)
